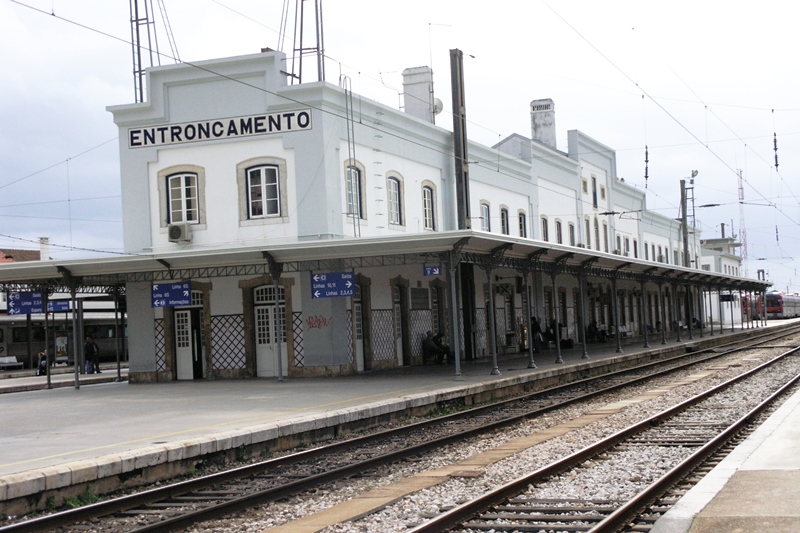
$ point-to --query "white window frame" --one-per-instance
(354, 192)
(394, 190)
(504, 225)
(187, 203)
(429, 207)
(270, 193)
(545, 230)
(486, 221)
(523, 224)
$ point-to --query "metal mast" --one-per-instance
(144, 41)
(299, 48)
(742, 230)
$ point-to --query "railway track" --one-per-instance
(683, 433)
(177, 506)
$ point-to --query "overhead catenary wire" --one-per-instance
(495, 162)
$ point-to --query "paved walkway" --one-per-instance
(54, 435)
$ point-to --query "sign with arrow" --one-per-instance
(432, 270)
(171, 294)
(333, 285)
(25, 303)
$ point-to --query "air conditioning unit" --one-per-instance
(179, 233)
(660, 258)
(617, 252)
(627, 254)
(581, 245)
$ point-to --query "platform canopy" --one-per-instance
(470, 246)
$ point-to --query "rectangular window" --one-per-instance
(523, 225)
(395, 215)
(627, 247)
(263, 187)
(544, 229)
(183, 199)
(571, 229)
(559, 235)
(594, 191)
(428, 213)
(585, 187)
(646, 254)
(504, 221)
(635, 249)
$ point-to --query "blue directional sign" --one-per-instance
(171, 294)
(333, 285)
(429, 270)
(25, 303)
(57, 306)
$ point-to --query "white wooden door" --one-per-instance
(270, 330)
(183, 344)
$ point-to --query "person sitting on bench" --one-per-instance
(430, 351)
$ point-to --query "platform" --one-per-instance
(60, 438)
(755, 488)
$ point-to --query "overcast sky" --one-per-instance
(704, 85)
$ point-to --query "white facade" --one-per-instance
(228, 157)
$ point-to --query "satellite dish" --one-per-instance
(437, 106)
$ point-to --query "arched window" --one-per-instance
(183, 198)
(559, 233)
(523, 225)
(486, 224)
(597, 234)
(263, 192)
(504, 221)
(395, 201)
(545, 233)
(355, 200)
(428, 208)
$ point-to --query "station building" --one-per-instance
(319, 232)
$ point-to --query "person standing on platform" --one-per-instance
(536, 334)
(92, 356)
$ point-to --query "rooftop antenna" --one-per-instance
(299, 41)
(144, 41)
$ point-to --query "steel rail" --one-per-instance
(159, 494)
(458, 515)
(633, 507)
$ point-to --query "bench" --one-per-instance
(623, 332)
(9, 361)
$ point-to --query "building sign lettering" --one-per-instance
(213, 130)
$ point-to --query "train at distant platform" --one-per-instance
(16, 334)
(782, 305)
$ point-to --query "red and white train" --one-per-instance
(780, 305)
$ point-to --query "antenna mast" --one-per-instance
(144, 41)
(742, 230)
(299, 48)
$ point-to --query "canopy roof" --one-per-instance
(484, 249)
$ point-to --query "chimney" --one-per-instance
(44, 248)
(543, 122)
(723, 229)
(418, 98)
